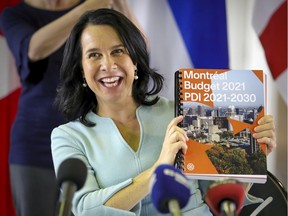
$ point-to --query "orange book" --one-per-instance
(221, 109)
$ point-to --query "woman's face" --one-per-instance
(107, 66)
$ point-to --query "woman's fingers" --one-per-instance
(175, 140)
(177, 134)
(265, 124)
(265, 119)
(174, 130)
(265, 132)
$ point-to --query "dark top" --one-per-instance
(36, 115)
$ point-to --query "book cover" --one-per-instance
(221, 109)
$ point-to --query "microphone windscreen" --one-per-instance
(169, 183)
(225, 191)
(72, 170)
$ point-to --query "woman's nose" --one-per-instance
(108, 64)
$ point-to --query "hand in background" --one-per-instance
(123, 7)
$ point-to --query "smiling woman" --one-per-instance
(110, 50)
(118, 125)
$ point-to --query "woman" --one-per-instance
(118, 125)
(36, 31)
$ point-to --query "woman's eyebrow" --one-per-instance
(91, 50)
(118, 46)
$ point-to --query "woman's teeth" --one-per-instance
(110, 81)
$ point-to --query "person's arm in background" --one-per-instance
(124, 8)
(52, 36)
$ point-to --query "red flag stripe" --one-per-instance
(274, 41)
(8, 108)
(6, 3)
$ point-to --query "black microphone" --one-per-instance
(71, 176)
(225, 197)
(170, 189)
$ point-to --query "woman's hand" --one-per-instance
(265, 132)
(175, 139)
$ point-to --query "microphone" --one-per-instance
(72, 175)
(225, 197)
(170, 189)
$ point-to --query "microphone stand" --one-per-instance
(174, 207)
(228, 208)
(64, 208)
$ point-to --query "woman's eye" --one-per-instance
(118, 51)
(94, 55)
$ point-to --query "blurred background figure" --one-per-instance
(36, 31)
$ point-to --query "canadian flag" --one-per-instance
(9, 93)
(270, 23)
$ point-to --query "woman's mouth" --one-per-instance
(110, 82)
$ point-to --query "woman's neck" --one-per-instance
(121, 113)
